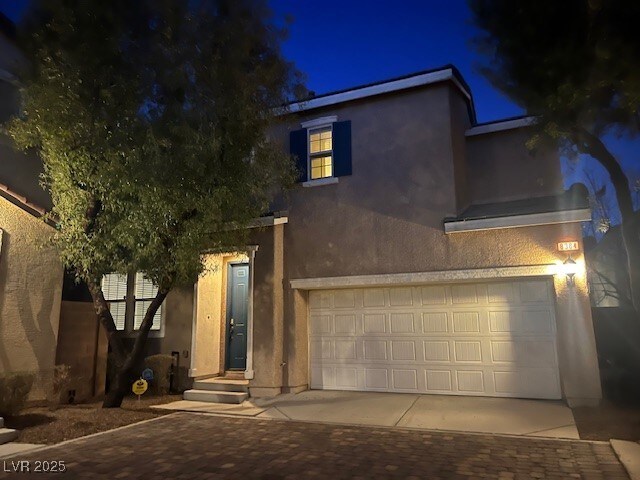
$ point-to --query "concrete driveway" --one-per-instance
(539, 418)
(510, 416)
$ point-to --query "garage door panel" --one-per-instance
(433, 295)
(464, 294)
(374, 323)
(470, 339)
(344, 324)
(435, 322)
(465, 322)
(438, 381)
(501, 293)
(526, 353)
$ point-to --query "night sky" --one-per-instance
(344, 43)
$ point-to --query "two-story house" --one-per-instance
(420, 252)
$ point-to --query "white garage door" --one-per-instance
(493, 339)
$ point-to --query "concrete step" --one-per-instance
(7, 435)
(222, 385)
(215, 397)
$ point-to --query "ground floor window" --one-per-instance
(129, 296)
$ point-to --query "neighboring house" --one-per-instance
(418, 253)
(30, 274)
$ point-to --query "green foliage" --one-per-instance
(161, 366)
(151, 118)
(572, 62)
(14, 390)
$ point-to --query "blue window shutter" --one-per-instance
(298, 148)
(342, 148)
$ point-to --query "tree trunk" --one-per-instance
(117, 392)
(630, 226)
(127, 362)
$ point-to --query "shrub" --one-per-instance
(61, 382)
(161, 366)
(14, 390)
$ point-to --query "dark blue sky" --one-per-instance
(344, 43)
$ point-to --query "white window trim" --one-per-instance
(320, 122)
(320, 181)
(319, 126)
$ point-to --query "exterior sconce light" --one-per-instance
(570, 268)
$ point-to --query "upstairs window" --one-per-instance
(128, 297)
(322, 150)
(320, 153)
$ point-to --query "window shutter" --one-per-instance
(298, 148)
(342, 148)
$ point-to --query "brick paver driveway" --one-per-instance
(193, 446)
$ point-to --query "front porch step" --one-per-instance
(215, 396)
(222, 384)
(7, 435)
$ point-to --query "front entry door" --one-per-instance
(237, 302)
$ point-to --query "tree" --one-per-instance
(574, 65)
(151, 117)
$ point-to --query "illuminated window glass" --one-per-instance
(128, 310)
(320, 153)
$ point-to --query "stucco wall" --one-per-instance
(409, 154)
(501, 167)
(82, 345)
(207, 338)
(30, 297)
(268, 311)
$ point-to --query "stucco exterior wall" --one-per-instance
(412, 167)
(268, 304)
(30, 297)
(387, 217)
(207, 337)
(501, 167)
(178, 330)
(82, 345)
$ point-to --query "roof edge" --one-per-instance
(21, 201)
(428, 77)
(501, 125)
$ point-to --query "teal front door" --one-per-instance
(237, 309)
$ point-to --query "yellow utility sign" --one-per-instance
(139, 387)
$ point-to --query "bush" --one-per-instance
(161, 366)
(61, 382)
(14, 390)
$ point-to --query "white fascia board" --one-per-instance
(392, 86)
(548, 218)
(421, 278)
(268, 221)
(500, 126)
